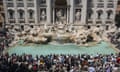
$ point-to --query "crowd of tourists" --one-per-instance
(60, 63)
(5, 39)
(2, 38)
(115, 39)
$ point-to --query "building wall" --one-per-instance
(1, 14)
(76, 12)
(118, 7)
(117, 19)
(17, 11)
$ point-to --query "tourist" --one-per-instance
(91, 68)
(59, 63)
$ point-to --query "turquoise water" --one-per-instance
(35, 49)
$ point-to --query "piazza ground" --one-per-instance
(37, 49)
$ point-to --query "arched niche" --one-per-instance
(61, 2)
(11, 13)
(90, 12)
(109, 14)
(30, 14)
(21, 13)
(99, 13)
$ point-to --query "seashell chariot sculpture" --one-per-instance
(61, 33)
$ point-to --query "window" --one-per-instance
(100, 5)
(21, 14)
(109, 13)
(110, 5)
(30, 4)
(90, 12)
(78, 2)
(100, 0)
(90, 3)
(20, 4)
(89, 15)
(9, 0)
(99, 14)
(9, 4)
(42, 1)
(22, 27)
(29, 0)
(11, 14)
(31, 14)
(19, 0)
(110, 0)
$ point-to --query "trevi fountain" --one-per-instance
(57, 39)
(62, 33)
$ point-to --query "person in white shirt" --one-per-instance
(91, 69)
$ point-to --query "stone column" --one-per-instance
(35, 11)
(114, 10)
(48, 11)
(16, 11)
(6, 12)
(3, 21)
(26, 11)
(104, 15)
(71, 11)
(53, 15)
(67, 15)
(84, 12)
(94, 12)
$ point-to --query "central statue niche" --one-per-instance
(60, 11)
(61, 2)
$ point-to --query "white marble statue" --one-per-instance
(78, 15)
(59, 14)
(43, 15)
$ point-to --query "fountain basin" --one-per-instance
(37, 49)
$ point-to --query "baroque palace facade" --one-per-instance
(38, 13)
